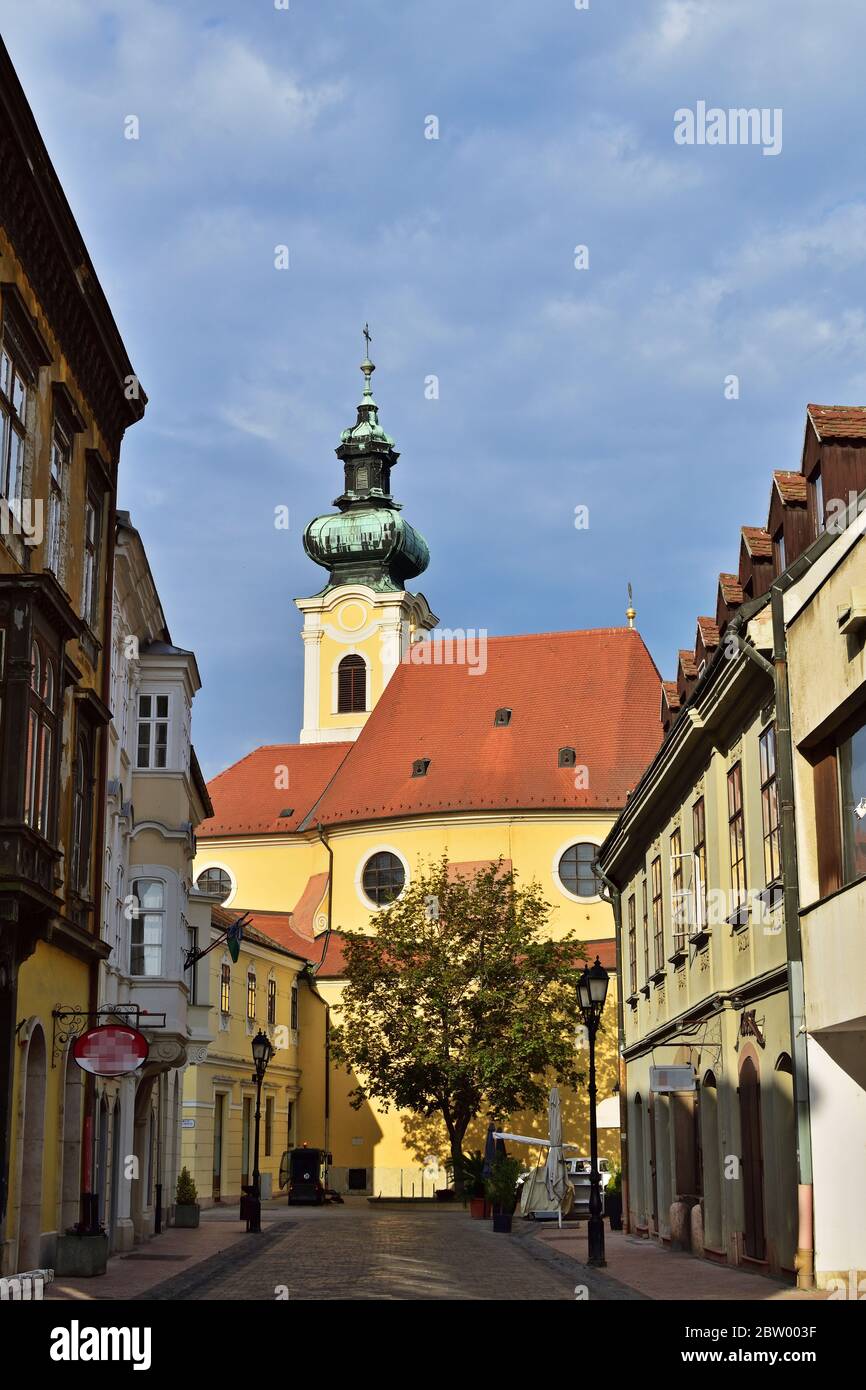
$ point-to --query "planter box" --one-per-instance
(613, 1208)
(81, 1257)
(502, 1222)
(477, 1208)
(187, 1214)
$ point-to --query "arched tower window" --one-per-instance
(351, 685)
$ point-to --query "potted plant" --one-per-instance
(613, 1200)
(187, 1210)
(502, 1192)
(82, 1252)
(473, 1184)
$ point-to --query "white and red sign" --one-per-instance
(112, 1050)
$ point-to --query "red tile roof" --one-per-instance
(732, 590)
(596, 691)
(249, 796)
(792, 487)
(709, 631)
(671, 694)
(605, 950)
(277, 926)
(687, 663)
(252, 932)
(838, 421)
(758, 542)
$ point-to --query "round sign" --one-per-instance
(110, 1051)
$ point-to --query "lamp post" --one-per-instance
(262, 1054)
(591, 994)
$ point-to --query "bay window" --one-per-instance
(148, 927)
(152, 737)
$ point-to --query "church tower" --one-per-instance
(359, 627)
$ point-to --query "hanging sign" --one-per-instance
(672, 1078)
(113, 1050)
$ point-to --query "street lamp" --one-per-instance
(591, 994)
(262, 1054)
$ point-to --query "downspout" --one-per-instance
(324, 839)
(615, 901)
(804, 1261)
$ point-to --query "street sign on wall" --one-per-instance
(676, 1078)
(113, 1050)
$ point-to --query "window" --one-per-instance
(294, 1012)
(41, 729)
(61, 455)
(699, 840)
(147, 927)
(251, 994)
(679, 900)
(770, 806)
(351, 685)
(632, 946)
(89, 585)
(779, 550)
(646, 969)
(215, 881)
(82, 812)
(269, 1125)
(576, 872)
(658, 914)
(272, 1000)
(152, 731)
(14, 387)
(225, 987)
(383, 878)
(852, 780)
(818, 484)
(736, 836)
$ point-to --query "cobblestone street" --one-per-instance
(357, 1252)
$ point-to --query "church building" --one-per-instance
(417, 742)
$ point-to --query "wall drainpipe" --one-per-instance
(804, 1261)
(615, 901)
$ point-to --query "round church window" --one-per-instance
(383, 878)
(576, 873)
(215, 880)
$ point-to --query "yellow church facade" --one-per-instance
(419, 742)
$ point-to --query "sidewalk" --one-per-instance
(655, 1272)
(174, 1252)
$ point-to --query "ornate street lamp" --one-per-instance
(262, 1054)
(591, 994)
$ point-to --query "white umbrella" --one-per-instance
(555, 1178)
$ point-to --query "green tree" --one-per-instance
(457, 1004)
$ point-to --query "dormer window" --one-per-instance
(420, 766)
(779, 550)
(567, 757)
(152, 743)
(818, 485)
(502, 718)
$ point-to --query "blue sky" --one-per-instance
(558, 388)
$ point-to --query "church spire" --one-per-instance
(367, 542)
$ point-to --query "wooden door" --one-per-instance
(753, 1163)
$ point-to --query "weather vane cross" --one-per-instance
(367, 336)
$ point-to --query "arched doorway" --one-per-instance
(70, 1165)
(638, 1165)
(753, 1160)
(33, 1140)
(711, 1162)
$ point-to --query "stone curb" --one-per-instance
(215, 1266)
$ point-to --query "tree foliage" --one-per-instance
(458, 1004)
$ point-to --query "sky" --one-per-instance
(597, 380)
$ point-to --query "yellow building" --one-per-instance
(67, 394)
(419, 743)
(271, 989)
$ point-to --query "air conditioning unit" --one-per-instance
(851, 616)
